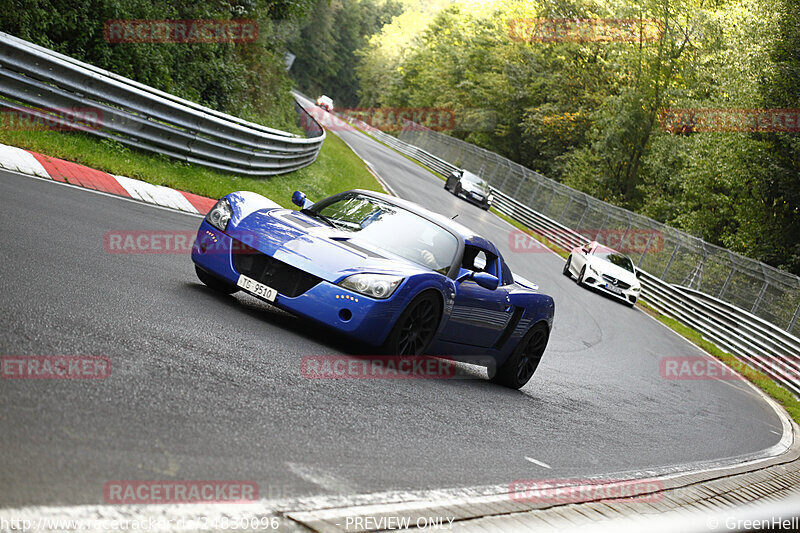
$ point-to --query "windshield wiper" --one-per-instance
(320, 216)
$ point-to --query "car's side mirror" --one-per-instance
(486, 280)
(637, 273)
(299, 199)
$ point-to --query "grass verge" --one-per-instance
(337, 168)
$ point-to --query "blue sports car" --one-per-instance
(382, 270)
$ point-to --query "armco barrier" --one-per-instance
(39, 82)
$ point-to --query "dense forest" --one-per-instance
(588, 113)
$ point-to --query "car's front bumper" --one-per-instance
(477, 200)
(367, 319)
(597, 282)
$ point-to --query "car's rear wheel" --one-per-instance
(524, 360)
(214, 282)
(414, 330)
(566, 267)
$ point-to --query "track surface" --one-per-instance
(208, 387)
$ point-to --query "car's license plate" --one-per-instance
(259, 289)
(612, 288)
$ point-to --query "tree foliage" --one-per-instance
(325, 45)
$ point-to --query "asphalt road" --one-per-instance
(205, 386)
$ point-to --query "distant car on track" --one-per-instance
(599, 267)
(325, 103)
(470, 187)
(382, 270)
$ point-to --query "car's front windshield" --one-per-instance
(380, 224)
(616, 258)
(476, 181)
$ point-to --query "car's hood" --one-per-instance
(326, 252)
(472, 187)
(606, 267)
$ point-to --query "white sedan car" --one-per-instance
(599, 267)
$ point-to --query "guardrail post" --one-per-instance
(535, 191)
(646, 247)
(622, 239)
(724, 288)
(519, 186)
(566, 206)
(760, 297)
(794, 319)
(580, 222)
(603, 225)
(671, 259)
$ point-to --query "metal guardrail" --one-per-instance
(753, 340)
(56, 88)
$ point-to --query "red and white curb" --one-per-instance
(35, 164)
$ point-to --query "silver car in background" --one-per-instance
(470, 187)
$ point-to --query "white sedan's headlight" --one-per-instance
(374, 285)
(220, 215)
(593, 271)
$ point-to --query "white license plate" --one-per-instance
(254, 287)
(612, 288)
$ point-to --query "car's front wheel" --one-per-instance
(414, 330)
(581, 276)
(524, 360)
(214, 282)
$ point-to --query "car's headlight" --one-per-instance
(636, 288)
(374, 285)
(595, 272)
(220, 215)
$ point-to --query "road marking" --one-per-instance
(322, 478)
(534, 461)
